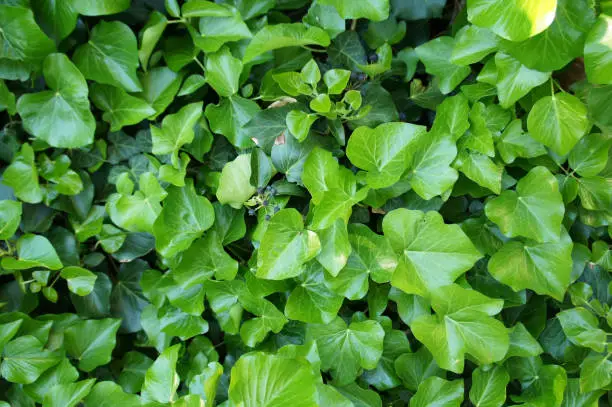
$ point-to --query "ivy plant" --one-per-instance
(300, 203)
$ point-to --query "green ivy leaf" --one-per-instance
(108, 394)
(60, 116)
(382, 151)
(436, 55)
(223, 72)
(229, 118)
(120, 109)
(91, 342)
(101, 7)
(561, 42)
(438, 391)
(590, 155)
(582, 328)
(235, 182)
(68, 394)
(414, 235)
(80, 281)
(534, 211)
(10, 216)
(33, 251)
(311, 300)
(285, 234)
(514, 80)
(161, 380)
(472, 44)
(176, 131)
(597, 61)
(513, 20)
(346, 349)
(277, 36)
(489, 386)
(528, 265)
(150, 36)
(463, 324)
(22, 38)
(110, 57)
(375, 10)
(24, 360)
(280, 381)
(184, 217)
(558, 121)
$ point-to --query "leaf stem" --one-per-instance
(199, 64)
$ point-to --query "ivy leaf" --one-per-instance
(150, 35)
(436, 391)
(176, 131)
(597, 61)
(277, 36)
(60, 116)
(534, 211)
(24, 360)
(338, 200)
(68, 394)
(299, 123)
(223, 72)
(558, 122)
(582, 328)
(371, 257)
(109, 394)
(335, 247)
(57, 19)
(22, 176)
(514, 80)
(595, 372)
(91, 342)
(513, 20)
(414, 235)
(136, 211)
(33, 251)
(381, 151)
(184, 217)
(218, 24)
(436, 55)
(590, 155)
(514, 143)
(489, 386)
(346, 349)
(463, 324)
(561, 42)
(480, 169)
(22, 38)
(546, 388)
(472, 44)
(285, 234)
(235, 182)
(110, 57)
(281, 381)
(10, 216)
(428, 166)
(311, 300)
(375, 10)
(415, 368)
(161, 379)
(62, 373)
(120, 109)
(542, 267)
(101, 7)
(80, 281)
(229, 118)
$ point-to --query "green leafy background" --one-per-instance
(269, 203)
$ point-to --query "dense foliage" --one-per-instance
(270, 203)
